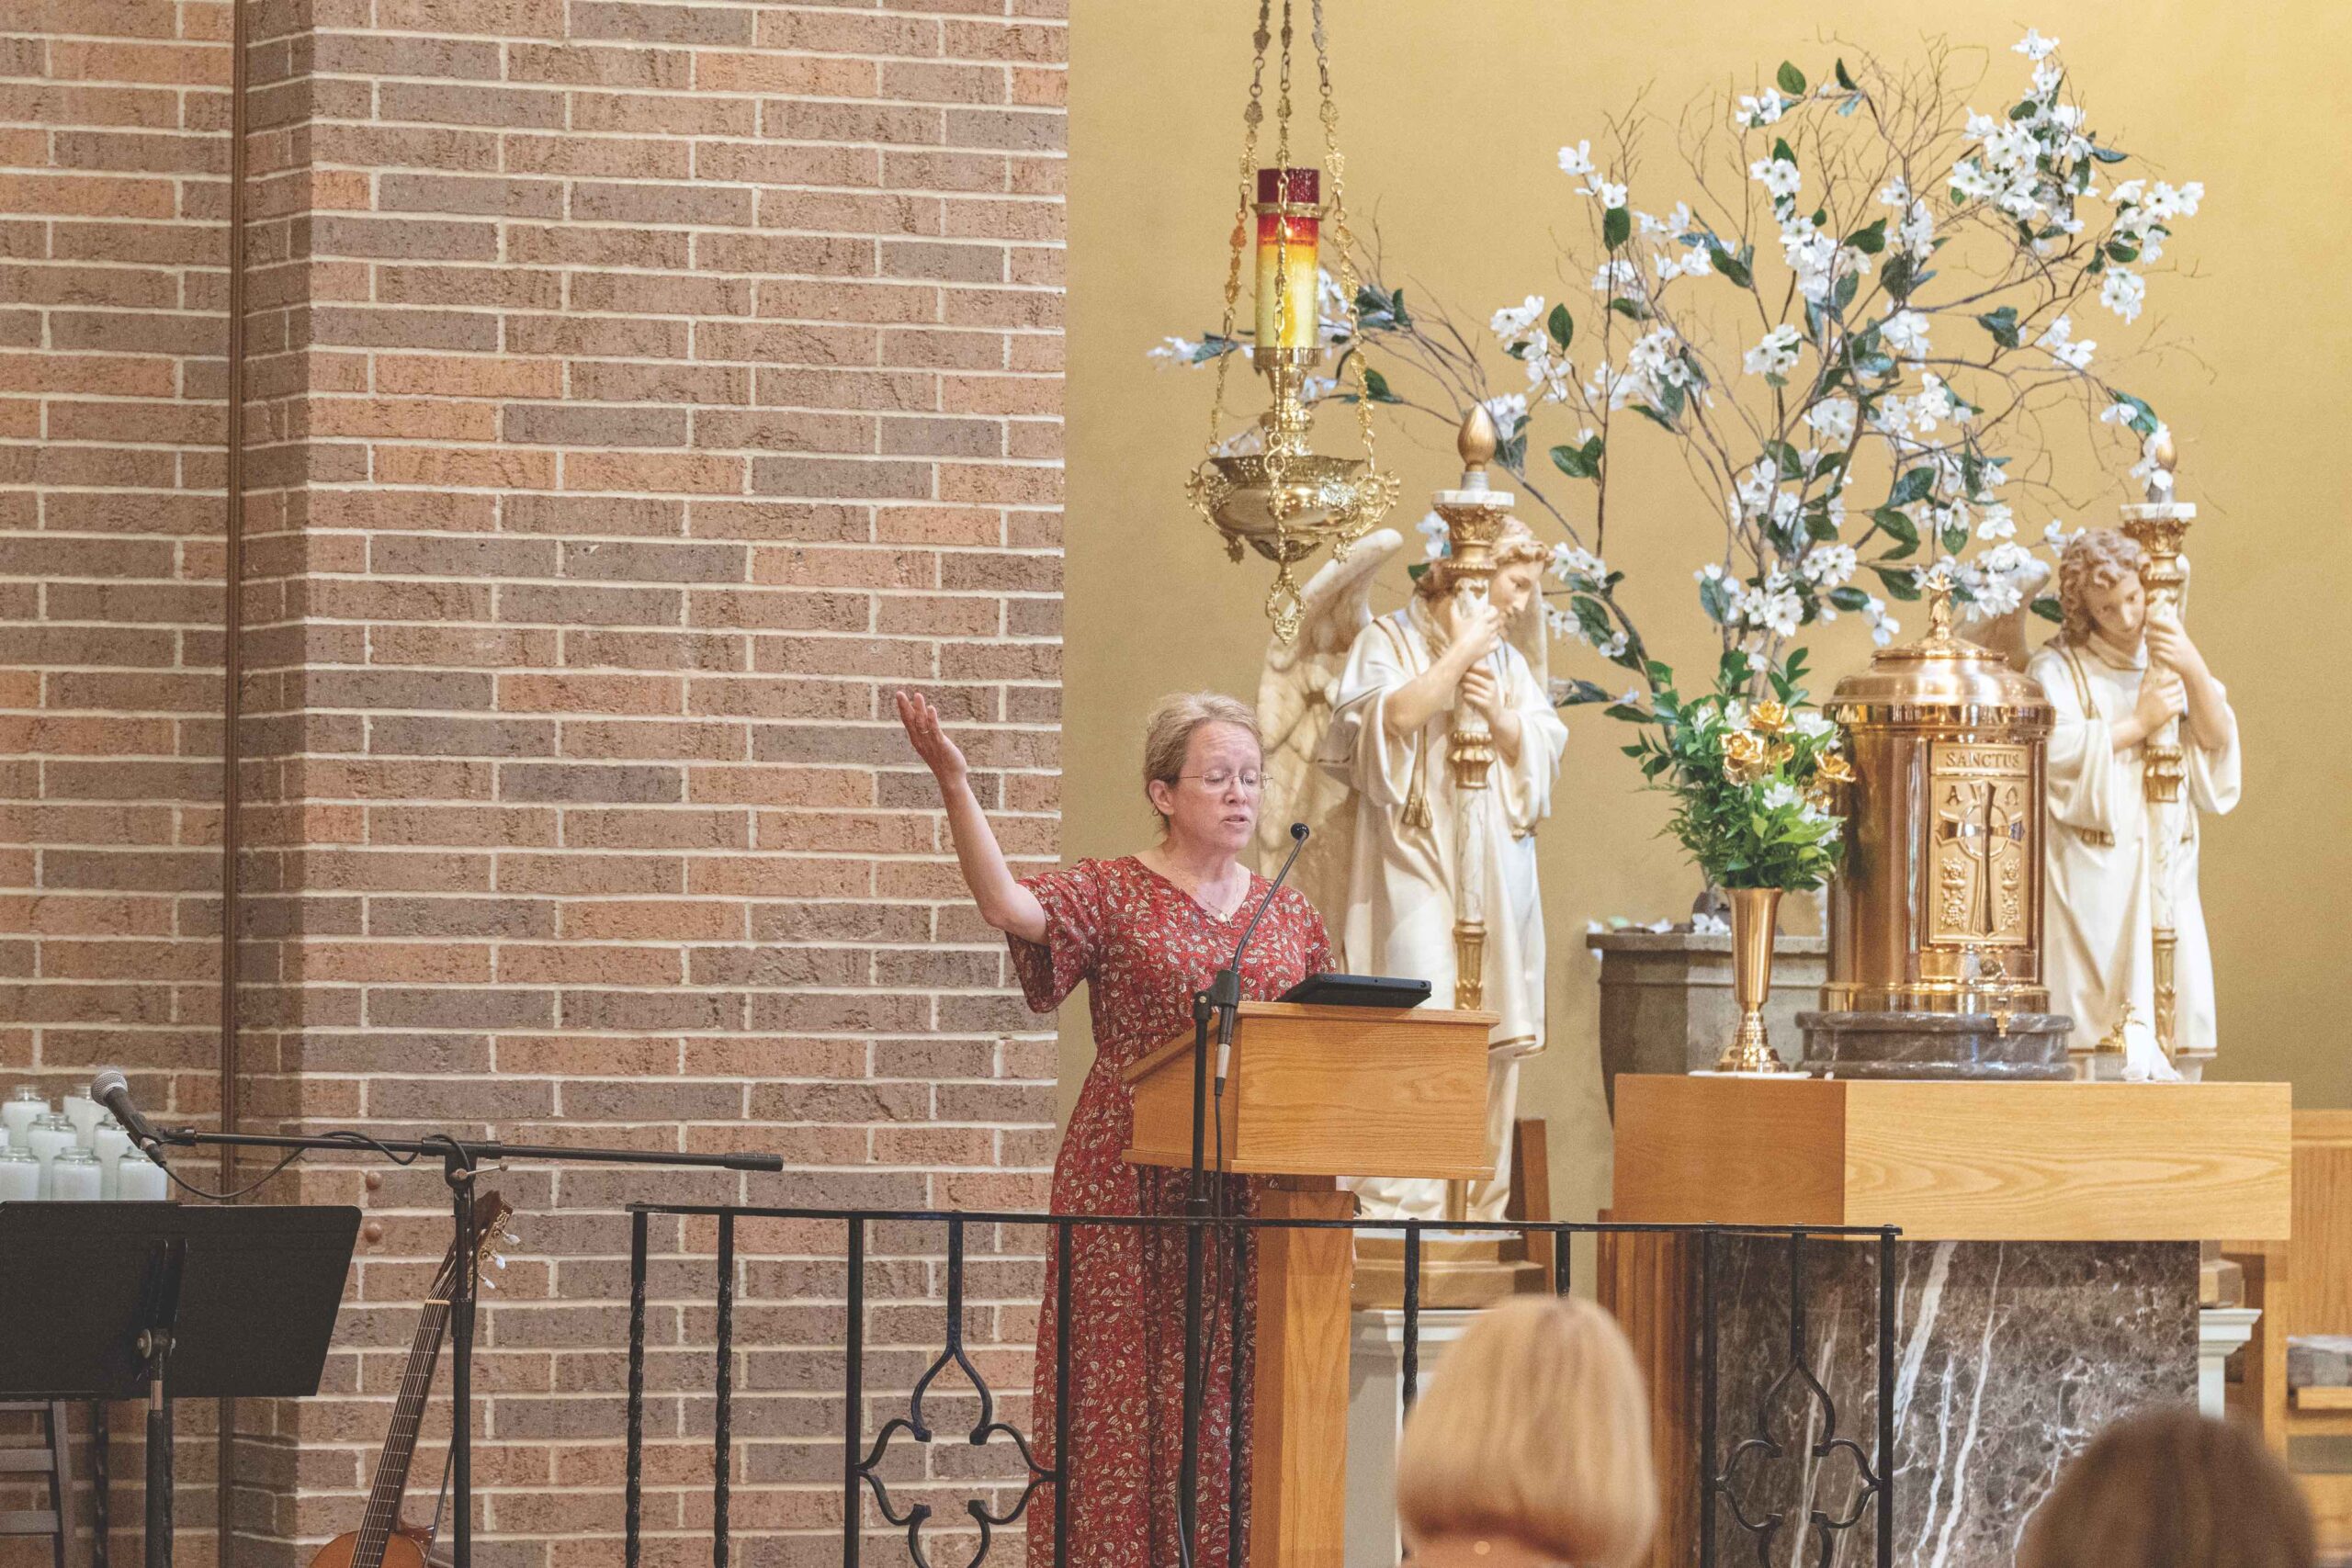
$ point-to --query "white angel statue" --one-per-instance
(1358, 715)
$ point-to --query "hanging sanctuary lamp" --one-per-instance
(1283, 498)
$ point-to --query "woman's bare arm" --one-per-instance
(1003, 902)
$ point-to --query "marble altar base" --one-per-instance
(2009, 1356)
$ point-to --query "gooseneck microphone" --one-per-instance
(111, 1089)
(1225, 991)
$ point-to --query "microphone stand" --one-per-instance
(1221, 1001)
(460, 1162)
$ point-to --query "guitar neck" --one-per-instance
(400, 1442)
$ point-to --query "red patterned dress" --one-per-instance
(1147, 946)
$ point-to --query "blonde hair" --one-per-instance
(2171, 1489)
(1536, 1427)
(1516, 545)
(2096, 559)
(1168, 734)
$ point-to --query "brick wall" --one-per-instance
(113, 157)
(638, 391)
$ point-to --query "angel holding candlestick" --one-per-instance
(2126, 949)
(1425, 758)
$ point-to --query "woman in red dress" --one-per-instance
(1148, 930)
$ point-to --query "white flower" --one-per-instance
(1705, 924)
(1509, 410)
(1312, 388)
(1776, 354)
(2033, 46)
(1775, 609)
(2054, 535)
(2122, 293)
(1549, 380)
(1433, 533)
(1672, 226)
(1884, 628)
(2147, 471)
(1175, 350)
(1515, 323)
(2060, 341)
(1998, 522)
(1618, 274)
(1905, 332)
(1754, 111)
(1780, 792)
(1611, 195)
(2046, 78)
(1577, 160)
(1828, 566)
(1613, 646)
(1832, 419)
(1574, 561)
(1777, 176)
(1812, 723)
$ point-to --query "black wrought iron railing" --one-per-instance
(1763, 1472)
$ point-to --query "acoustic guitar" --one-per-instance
(382, 1540)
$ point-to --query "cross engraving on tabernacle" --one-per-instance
(1981, 834)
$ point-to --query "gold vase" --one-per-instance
(1754, 920)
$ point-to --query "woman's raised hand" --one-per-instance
(940, 755)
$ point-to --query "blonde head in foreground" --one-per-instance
(2171, 1489)
(1534, 1429)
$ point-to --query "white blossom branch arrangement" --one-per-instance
(1852, 328)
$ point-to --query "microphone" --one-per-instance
(111, 1089)
(1226, 989)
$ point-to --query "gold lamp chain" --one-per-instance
(1252, 114)
(1336, 215)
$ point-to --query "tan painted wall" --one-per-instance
(1452, 113)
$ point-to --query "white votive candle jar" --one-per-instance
(20, 1177)
(109, 1144)
(48, 1136)
(74, 1176)
(141, 1180)
(19, 1111)
(83, 1113)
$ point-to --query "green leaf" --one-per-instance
(1898, 527)
(1817, 524)
(2144, 418)
(1870, 240)
(1654, 417)
(1671, 398)
(1714, 597)
(2121, 253)
(1417, 570)
(1578, 693)
(1616, 226)
(1844, 80)
(2048, 609)
(1561, 325)
(1632, 309)
(1843, 294)
(1790, 79)
(1375, 387)
(2109, 154)
(1914, 485)
(1896, 277)
(1955, 537)
(1780, 152)
(2002, 323)
(1591, 618)
(1848, 598)
(1903, 582)
(1592, 451)
(1572, 462)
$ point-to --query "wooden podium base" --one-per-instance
(1298, 1416)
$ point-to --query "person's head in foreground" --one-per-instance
(1530, 1445)
(2171, 1489)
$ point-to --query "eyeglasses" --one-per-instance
(1219, 778)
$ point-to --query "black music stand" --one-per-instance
(157, 1302)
